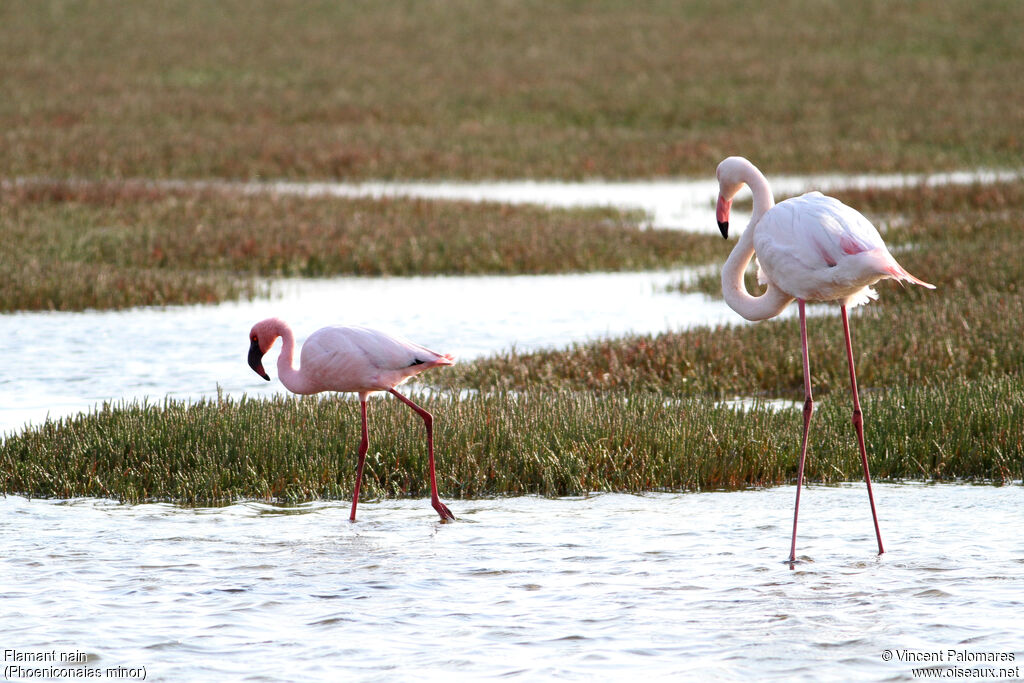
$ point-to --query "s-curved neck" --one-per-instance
(292, 379)
(773, 301)
(767, 305)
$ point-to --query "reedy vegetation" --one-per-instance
(940, 377)
(543, 442)
(361, 90)
(114, 245)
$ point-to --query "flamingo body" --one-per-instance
(809, 248)
(351, 359)
(362, 360)
(816, 248)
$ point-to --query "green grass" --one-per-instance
(552, 443)
(114, 245)
(462, 89)
(964, 240)
(940, 376)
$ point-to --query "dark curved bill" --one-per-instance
(722, 214)
(256, 360)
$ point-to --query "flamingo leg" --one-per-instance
(858, 424)
(808, 411)
(428, 421)
(364, 445)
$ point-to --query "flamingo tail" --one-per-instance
(900, 273)
(441, 360)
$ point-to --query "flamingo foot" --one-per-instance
(442, 509)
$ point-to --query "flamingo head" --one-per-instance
(261, 337)
(730, 180)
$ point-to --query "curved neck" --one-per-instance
(763, 199)
(773, 301)
(292, 379)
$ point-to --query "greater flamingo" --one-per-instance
(809, 248)
(351, 359)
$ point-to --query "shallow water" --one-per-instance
(672, 203)
(681, 204)
(63, 363)
(671, 586)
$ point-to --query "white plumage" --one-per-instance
(816, 248)
(809, 248)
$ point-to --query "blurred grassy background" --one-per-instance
(514, 88)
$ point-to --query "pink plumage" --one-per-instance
(809, 248)
(351, 359)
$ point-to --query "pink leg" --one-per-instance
(808, 411)
(364, 444)
(858, 424)
(428, 420)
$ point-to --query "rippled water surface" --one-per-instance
(671, 586)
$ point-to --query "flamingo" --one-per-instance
(351, 359)
(809, 248)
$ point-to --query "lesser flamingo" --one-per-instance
(351, 359)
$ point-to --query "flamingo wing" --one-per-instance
(362, 359)
(818, 249)
(388, 352)
(815, 230)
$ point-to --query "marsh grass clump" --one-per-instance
(114, 245)
(964, 239)
(291, 450)
(895, 345)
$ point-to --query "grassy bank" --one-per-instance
(939, 371)
(243, 89)
(549, 443)
(114, 245)
(965, 240)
